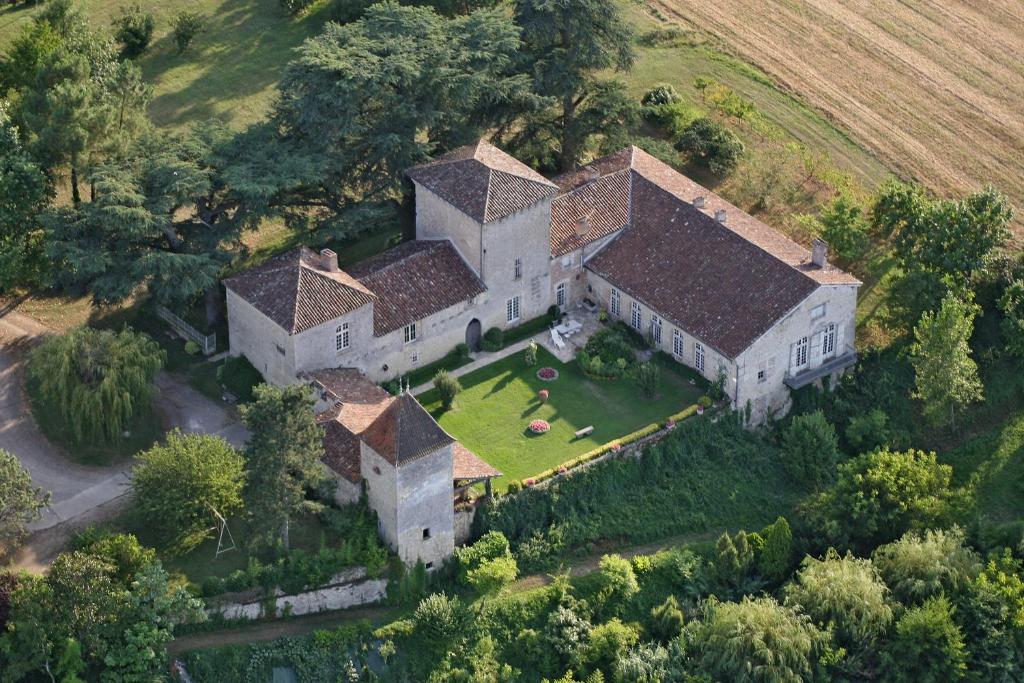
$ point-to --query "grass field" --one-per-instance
(934, 88)
(492, 414)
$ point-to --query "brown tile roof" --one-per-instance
(589, 211)
(414, 280)
(702, 276)
(483, 182)
(405, 432)
(361, 400)
(469, 466)
(341, 448)
(298, 294)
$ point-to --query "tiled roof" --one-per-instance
(702, 276)
(341, 448)
(589, 212)
(297, 293)
(361, 400)
(469, 466)
(405, 432)
(414, 280)
(483, 182)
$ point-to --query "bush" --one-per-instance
(192, 348)
(868, 431)
(239, 377)
(187, 25)
(447, 387)
(712, 145)
(494, 340)
(134, 30)
(531, 354)
(810, 449)
(490, 546)
(844, 228)
(663, 93)
(461, 351)
(295, 7)
(648, 375)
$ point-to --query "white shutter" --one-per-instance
(792, 356)
(840, 349)
(816, 349)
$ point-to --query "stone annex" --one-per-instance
(497, 244)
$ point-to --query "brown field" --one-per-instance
(935, 88)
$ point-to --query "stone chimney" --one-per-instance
(698, 202)
(329, 261)
(819, 253)
(720, 215)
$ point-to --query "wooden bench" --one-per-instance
(586, 431)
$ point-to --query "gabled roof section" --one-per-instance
(468, 466)
(415, 280)
(483, 182)
(589, 211)
(405, 432)
(297, 292)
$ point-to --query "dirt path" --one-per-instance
(295, 626)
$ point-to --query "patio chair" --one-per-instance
(556, 339)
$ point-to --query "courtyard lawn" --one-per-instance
(492, 413)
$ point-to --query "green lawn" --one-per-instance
(498, 402)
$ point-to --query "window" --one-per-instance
(560, 295)
(818, 311)
(512, 309)
(828, 341)
(635, 319)
(613, 304)
(341, 337)
(760, 376)
(800, 353)
(428, 566)
(410, 333)
(656, 329)
(698, 356)
(426, 534)
(518, 268)
(280, 349)
(415, 359)
(677, 343)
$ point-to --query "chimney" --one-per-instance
(329, 260)
(698, 202)
(720, 215)
(819, 253)
(583, 225)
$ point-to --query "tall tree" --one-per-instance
(364, 101)
(24, 192)
(20, 501)
(282, 456)
(97, 380)
(567, 44)
(927, 646)
(946, 377)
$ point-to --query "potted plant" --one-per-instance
(703, 403)
(543, 395)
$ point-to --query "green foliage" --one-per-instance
(491, 546)
(123, 552)
(927, 646)
(608, 642)
(667, 620)
(530, 355)
(661, 94)
(735, 640)
(946, 377)
(447, 387)
(21, 503)
(27, 51)
(880, 495)
(868, 431)
(440, 620)
(493, 575)
(24, 192)
(282, 457)
(844, 595)
(295, 7)
(239, 377)
(98, 380)
(991, 611)
(810, 449)
(493, 340)
(133, 28)
(617, 583)
(608, 353)
(1012, 306)
(648, 377)
(712, 145)
(182, 485)
(186, 28)
(920, 566)
(844, 228)
(775, 560)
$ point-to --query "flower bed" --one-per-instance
(540, 426)
(547, 374)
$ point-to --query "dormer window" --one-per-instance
(518, 269)
(342, 338)
(410, 333)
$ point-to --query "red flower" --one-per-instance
(539, 426)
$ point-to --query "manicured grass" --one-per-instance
(498, 402)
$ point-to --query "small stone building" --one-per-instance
(409, 466)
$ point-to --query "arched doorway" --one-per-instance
(473, 335)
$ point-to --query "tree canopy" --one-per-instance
(21, 502)
(24, 193)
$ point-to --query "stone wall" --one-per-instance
(349, 588)
(426, 522)
(464, 525)
(265, 343)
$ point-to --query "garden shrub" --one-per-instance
(447, 387)
(490, 546)
(192, 348)
(810, 449)
(608, 353)
(187, 25)
(531, 354)
(648, 375)
(663, 93)
(461, 351)
(711, 144)
(133, 28)
(868, 431)
(239, 377)
(494, 340)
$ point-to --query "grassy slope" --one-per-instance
(497, 403)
